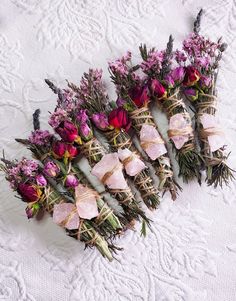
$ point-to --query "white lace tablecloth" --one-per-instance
(191, 253)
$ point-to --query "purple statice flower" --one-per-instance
(40, 137)
(82, 116)
(180, 57)
(100, 120)
(51, 169)
(57, 117)
(120, 66)
(28, 167)
(153, 62)
(68, 101)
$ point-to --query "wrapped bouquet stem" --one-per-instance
(134, 97)
(163, 81)
(115, 124)
(201, 58)
(28, 181)
(73, 125)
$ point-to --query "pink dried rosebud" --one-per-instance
(191, 94)
(169, 82)
(178, 74)
(68, 132)
(71, 181)
(40, 180)
(71, 151)
(51, 169)
(32, 210)
(119, 119)
(120, 102)
(100, 120)
(28, 192)
(82, 116)
(158, 90)
(85, 131)
(59, 149)
(205, 82)
(139, 96)
(192, 76)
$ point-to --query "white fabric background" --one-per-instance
(191, 253)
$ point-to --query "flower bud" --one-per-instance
(157, 89)
(32, 210)
(205, 82)
(119, 119)
(177, 75)
(71, 181)
(68, 132)
(100, 120)
(192, 76)
(139, 96)
(51, 169)
(59, 149)
(169, 82)
(71, 151)
(28, 192)
(191, 94)
(40, 180)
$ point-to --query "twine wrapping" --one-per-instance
(93, 150)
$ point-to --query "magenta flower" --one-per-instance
(205, 82)
(32, 210)
(71, 181)
(157, 89)
(28, 192)
(57, 117)
(178, 74)
(85, 131)
(191, 94)
(82, 116)
(100, 120)
(68, 132)
(51, 169)
(169, 82)
(40, 180)
(139, 96)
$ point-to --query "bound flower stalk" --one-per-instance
(114, 124)
(27, 179)
(164, 80)
(51, 152)
(133, 95)
(109, 173)
(201, 58)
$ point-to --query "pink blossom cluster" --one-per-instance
(40, 137)
(180, 56)
(201, 51)
(57, 117)
(154, 61)
(68, 101)
(24, 168)
(120, 66)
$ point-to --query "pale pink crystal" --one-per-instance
(178, 122)
(156, 148)
(215, 141)
(110, 163)
(62, 211)
(133, 167)
(86, 202)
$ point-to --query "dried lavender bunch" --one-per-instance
(200, 58)
(133, 95)
(81, 134)
(114, 123)
(163, 81)
(27, 179)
